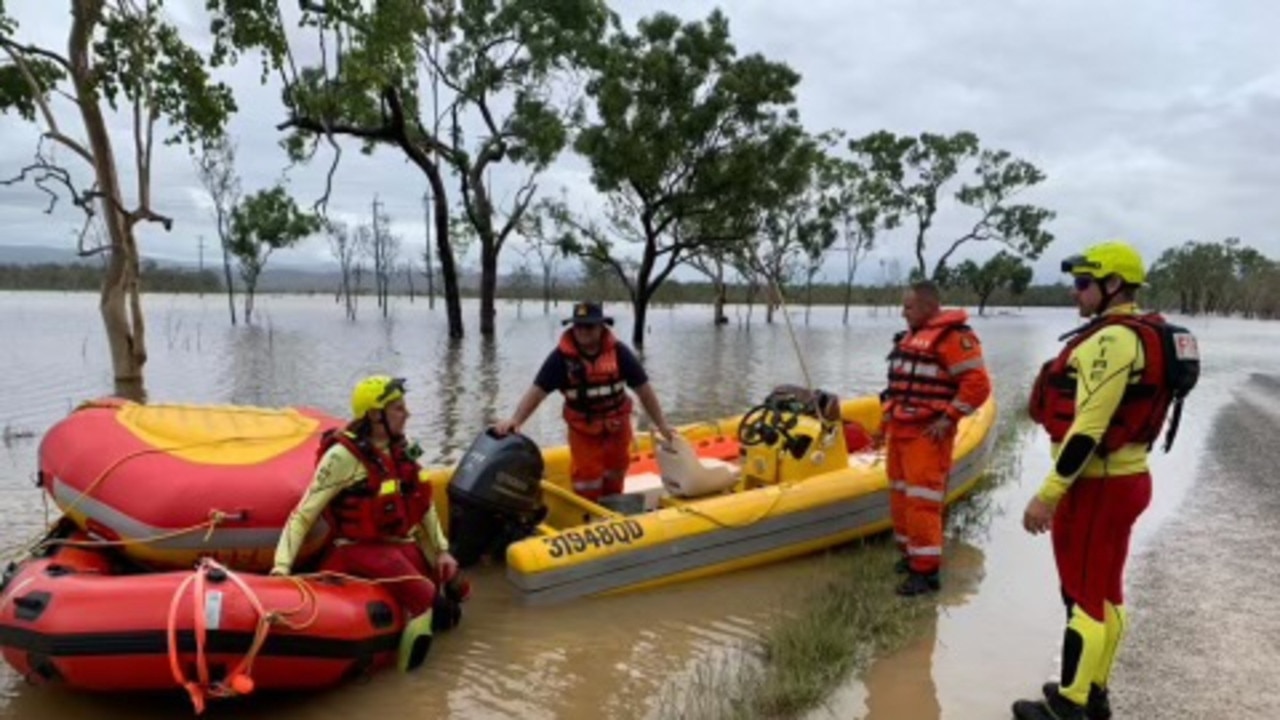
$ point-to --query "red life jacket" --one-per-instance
(1170, 354)
(597, 393)
(391, 500)
(920, 388)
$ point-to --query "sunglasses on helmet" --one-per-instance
(1076, 263)
(392, 389)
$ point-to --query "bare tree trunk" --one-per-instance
(249, 291)
(448, 271)
(426, 254)
(722, 292)
(546, 289)
(226, 274)
(121, 308)
(488, 285)
(641, 307)
(119, 303)
(848, 299)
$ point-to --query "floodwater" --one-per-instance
(998, 623)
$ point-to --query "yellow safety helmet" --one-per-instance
(1114, 257)
(375, 393)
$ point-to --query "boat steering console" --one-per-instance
(772, 421)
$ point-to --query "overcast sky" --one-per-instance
(1155, 120)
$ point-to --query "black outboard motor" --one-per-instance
(495, 496)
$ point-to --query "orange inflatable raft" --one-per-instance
(171, 484)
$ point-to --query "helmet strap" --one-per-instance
(1107, 295)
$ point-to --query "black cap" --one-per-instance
(588, 313)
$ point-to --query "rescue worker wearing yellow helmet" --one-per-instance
(367, 487)
(1103, 401)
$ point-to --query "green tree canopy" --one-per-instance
(686, 142)
(496, 61)
(262, 223)
(120, 56)
(907, 176)
(1002, 270)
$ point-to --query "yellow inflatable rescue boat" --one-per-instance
(777, 482)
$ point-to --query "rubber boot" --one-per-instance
(1057, 708)
(415, 641)
(1082, 648)
(1097, 708)
(918, 583)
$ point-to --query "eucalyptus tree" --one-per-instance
(498, 61)
(1216, 277)
(682, 139)
(1001, 270)
(262, 223)
(216, 168)
(855, 208)
(347, 247)
(908, 174)
(121, 56)
(537, 229)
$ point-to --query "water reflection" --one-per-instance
(451, 392)
(902, 685)
(490, 385)
(613, 655)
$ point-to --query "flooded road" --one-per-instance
(998, 624)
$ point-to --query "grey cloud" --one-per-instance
(1153, 120)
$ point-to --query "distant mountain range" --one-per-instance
(280, 275)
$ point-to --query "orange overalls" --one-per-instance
(597, 409)
(933, 371)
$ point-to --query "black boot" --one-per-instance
(1053, 707)
(919, 584)
(902, 567)
(1098, 707)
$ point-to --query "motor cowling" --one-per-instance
(495, 496)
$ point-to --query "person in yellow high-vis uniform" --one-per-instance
(368, 487)
(1099, 400)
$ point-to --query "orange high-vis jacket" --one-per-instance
(938, 369)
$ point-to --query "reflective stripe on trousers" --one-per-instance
(918, 467)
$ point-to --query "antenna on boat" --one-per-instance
(795, 344)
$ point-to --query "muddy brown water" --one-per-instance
(997, 627)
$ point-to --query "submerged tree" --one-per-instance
(384, 249)
(261, 224)
(497, 62)
(216, 167)
(908, 174)
(1216, 277)
(347, 247)
(684, 144)
(121, 55)
(1001, 270)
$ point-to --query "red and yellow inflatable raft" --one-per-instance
(170, 484)
(74, 614)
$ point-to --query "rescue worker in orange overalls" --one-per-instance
(593, 370)
(1103, 403)
(367, 487)
(936, 377)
